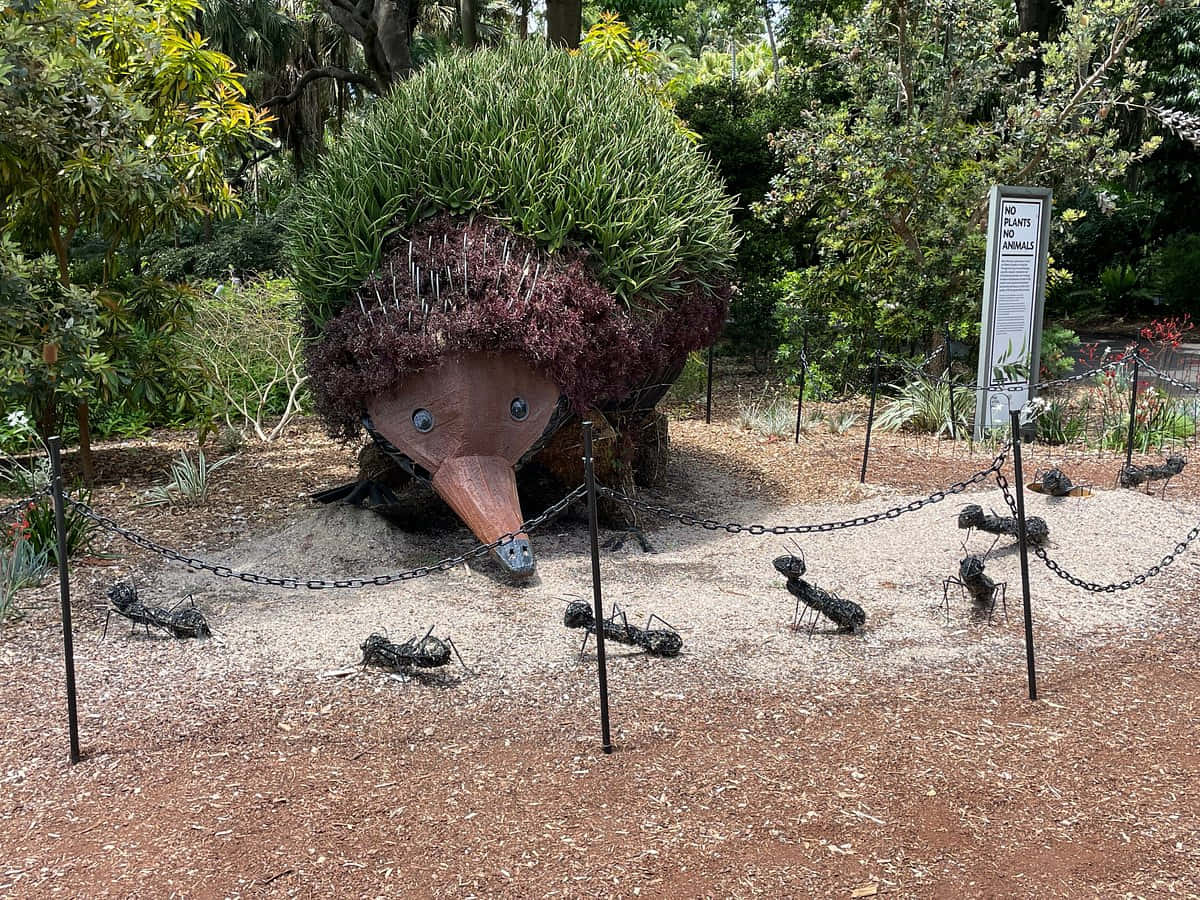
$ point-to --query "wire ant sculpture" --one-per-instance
(1133, 476)
(973, 516)
(665, 642)
(187, 622)
(1055, 483)
(426, 652)
(847, 615)
(975, 583)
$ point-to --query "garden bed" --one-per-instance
(905, 759)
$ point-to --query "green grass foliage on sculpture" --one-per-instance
(562, 149)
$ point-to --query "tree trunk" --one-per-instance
(771, 42)
(85, 443)
(523, 21)
(468, 13)
(1039, 17)
(384, 29)
(564, 23)
(62, 251)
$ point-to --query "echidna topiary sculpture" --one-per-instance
(509, 237)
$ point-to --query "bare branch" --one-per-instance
(324, 72)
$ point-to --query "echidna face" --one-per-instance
(468, 421)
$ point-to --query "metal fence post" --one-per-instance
(950, 385)
(862, 475)
(597, 603)
(803, 378)
(1133, 392)
(1024, 552)
(708, 400)
(64, 590)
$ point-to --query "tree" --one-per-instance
(384, 29)
(119, 120)
(893, 182)
(564, 23)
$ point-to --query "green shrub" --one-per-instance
(1058, 350)
(242, 246)
(692, 381)
(249, 343)
(1173, 269)
(563, 149)
(924, 405)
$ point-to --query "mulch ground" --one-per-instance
(929, 782)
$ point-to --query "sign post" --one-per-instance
(1014, 293)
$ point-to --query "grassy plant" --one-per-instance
(22, 565)
(841, 422)
(81, 529)
(187, 482)
(772, 416)
(924, 405)
(1057, 424)
(566, 150)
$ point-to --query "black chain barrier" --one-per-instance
(918, 372)
(317, 584)
(736, 528)
(20, 504)
(1170, 379)
(1092, 586)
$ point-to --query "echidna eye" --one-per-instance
(422, 420)
(519, 409)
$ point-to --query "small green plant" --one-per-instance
(22, 564)
(1058, 351)
(692, 381)
(841, 422)
(81, 528)
(187, 482)
(1058, 425)
(924, 405)
(773, 417)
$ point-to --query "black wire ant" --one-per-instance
(1055, 483)
(973, 516)
(180, 623)
(1132, 476)
(846, 614)
(426, 652)
(974, 582)
(665, 642)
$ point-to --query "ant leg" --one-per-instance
(459, 655)
(583, 647)
(797, 617)
(107, 616)
(945, 604)
(650, 621)
(1002, 587)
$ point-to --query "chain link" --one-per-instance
(1092, 586)
(15, 507)
(1170, 379)
(737, 528)
(316, 583)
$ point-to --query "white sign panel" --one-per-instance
(1013, 297)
